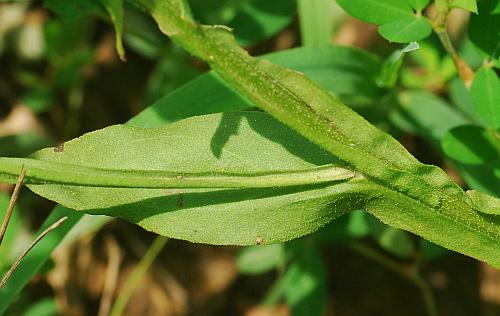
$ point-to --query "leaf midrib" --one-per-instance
(48, 172)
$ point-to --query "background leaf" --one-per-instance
(424, 114)
(395, 241)
(377, 12)
(305, 280)
(406, 30)
(484, 28)
(470, 144)
(485, 92)
(252, 20)
(347, 72)
(261, 259)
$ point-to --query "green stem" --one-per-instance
(137, 275)
(439, 26)
(409, 274)
(315, 22)
(43, 172)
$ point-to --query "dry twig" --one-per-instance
(21, 257)
(12, 202)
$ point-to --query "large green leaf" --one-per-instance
(290, 195)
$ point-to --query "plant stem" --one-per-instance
(439, 26)
(315, 22)
(12, 202)
(137, 275)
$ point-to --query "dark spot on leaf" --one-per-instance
(259, 240)
(59, 148)
(180, 200)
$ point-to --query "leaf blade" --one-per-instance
(485, 92)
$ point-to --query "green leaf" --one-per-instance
(496, 10)
(460, 96)
(426, 115)
(115, 11)
(377, 11)
(251, 20)
(471, 145)
(260, 19)
(260, 259)
(485, 203)
(406, 30)
(15, 236)
(472, 150)
(419, 4)
(430, 117)
(398, 22)
(469, 5)
(485, 92)
(221, 147)
(484, 28)
(390, 69)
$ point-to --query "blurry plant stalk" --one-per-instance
(442, 10)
